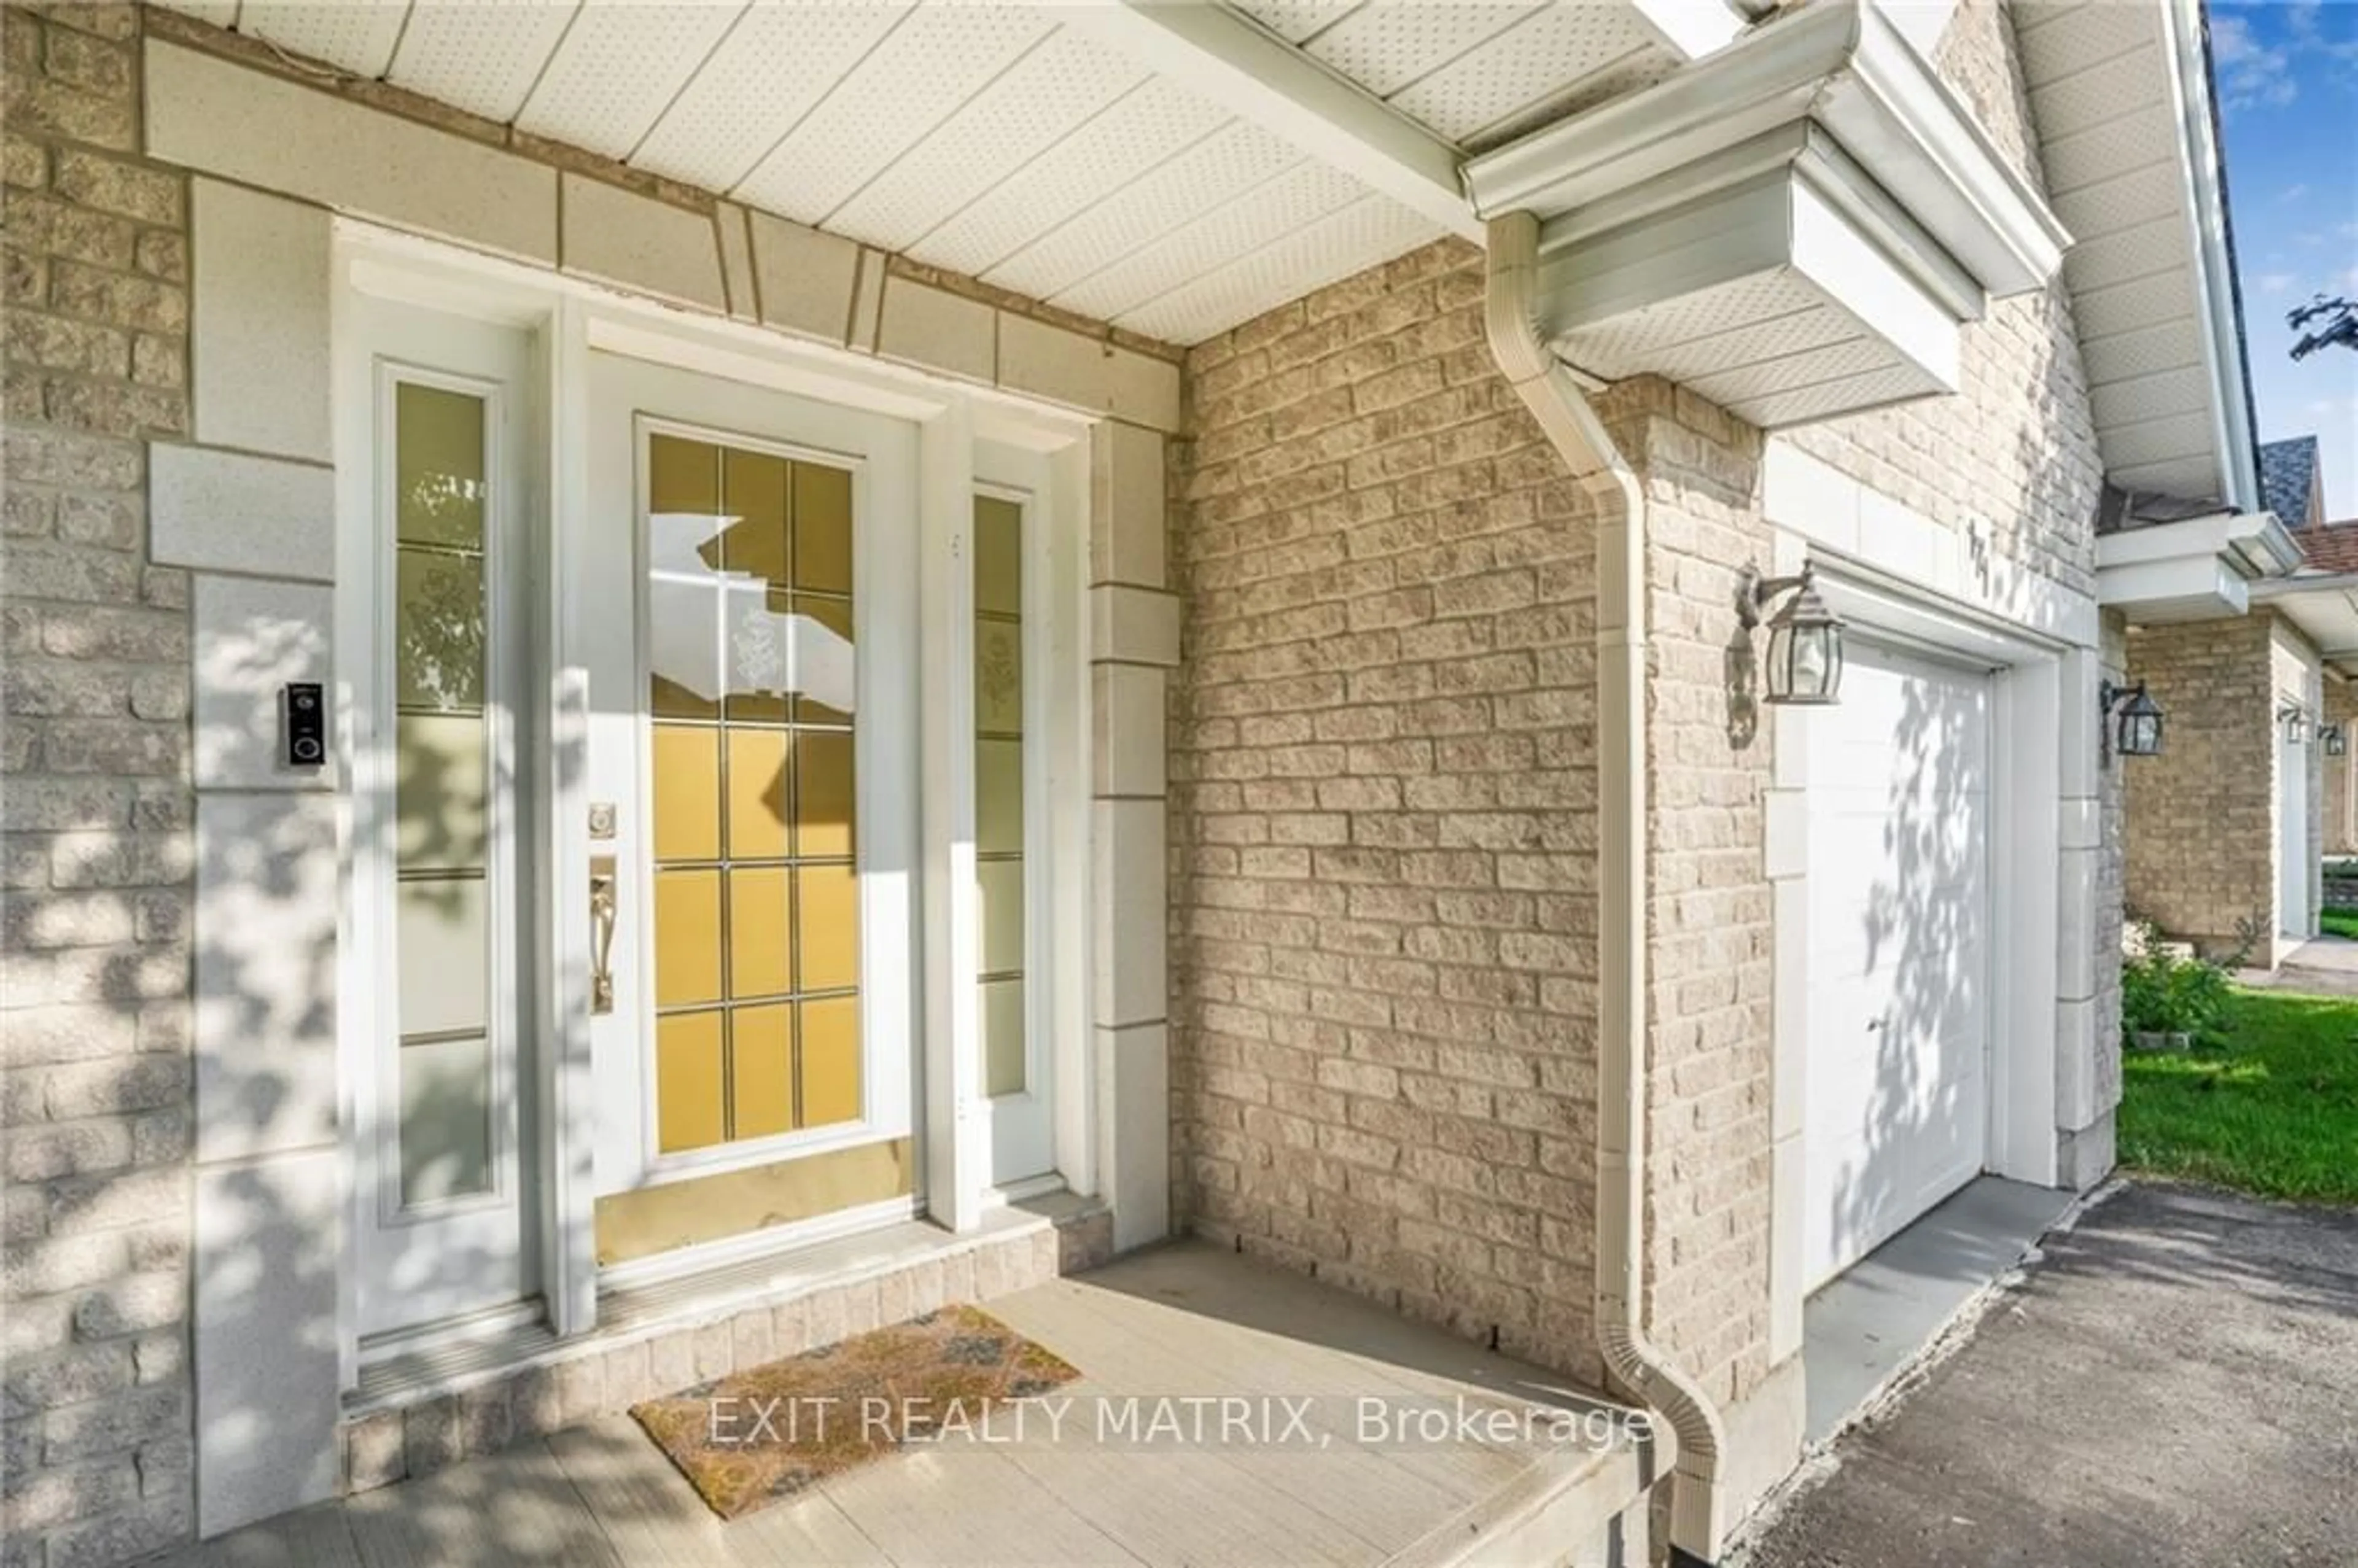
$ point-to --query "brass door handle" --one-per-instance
(604, 905)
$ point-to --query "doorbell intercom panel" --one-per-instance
(304, 721)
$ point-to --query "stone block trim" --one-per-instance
(2297, 677)
(605, 1375)
(1133, 640)
(2198, 821)
(95, 813)
(1383, 815)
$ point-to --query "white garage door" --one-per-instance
(1899, 1010)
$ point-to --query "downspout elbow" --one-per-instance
(1573, 427)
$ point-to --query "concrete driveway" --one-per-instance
(2322, 966)
(2175, 1383)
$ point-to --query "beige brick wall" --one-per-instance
(94, 812)
(1384, 831)
(1383, 815)
(1709, 953)
(2198, 818)
(2338, 833)
(1351, 923)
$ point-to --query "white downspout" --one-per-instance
(1547, 388)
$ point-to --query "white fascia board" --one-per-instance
(2179, 588)
(2199, 567)
(2324, 609)
(1691, 29)
(1839, 63)
(1922, 21)
(2254, 544)
(1851, 267)
(1231, 62)
(1895, 114)
(1820, 168)
(2292, 589)
(2206, 207)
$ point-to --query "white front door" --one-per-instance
(2292, 836)
(748, 615)
(439, 434)
(1898, 1011)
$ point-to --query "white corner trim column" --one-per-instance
(957, 1132)
(2081, 762)
(1785, 850)
(1134, 646)
(249, 509)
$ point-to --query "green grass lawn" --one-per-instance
(2272, 1107)
(2338, 923)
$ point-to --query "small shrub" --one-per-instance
(2163, 993)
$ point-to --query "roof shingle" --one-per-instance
(2288, 479)
(2331, 546)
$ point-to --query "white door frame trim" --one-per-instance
(2042, 876)
(569, 319)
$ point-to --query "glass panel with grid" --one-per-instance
(443, 928)
(753, 690)
(999, 791)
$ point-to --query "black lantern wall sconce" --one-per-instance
(2130, 720)
(1805, 638)
(2295, 719)
(2335, 738)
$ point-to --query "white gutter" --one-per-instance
(2293, 587)
(2223, 340)
(1571, 426)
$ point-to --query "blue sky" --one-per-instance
(2288, 76)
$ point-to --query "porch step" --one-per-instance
(465, 1399)
(452, 1365)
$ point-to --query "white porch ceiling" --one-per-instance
(1477, 72)
(1017, 144)
(2113, 151)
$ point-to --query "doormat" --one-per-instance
(751, 1438)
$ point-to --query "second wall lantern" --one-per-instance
(2136, 731)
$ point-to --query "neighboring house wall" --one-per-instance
(2200, 818)
(2339, 835)
(1384, 815)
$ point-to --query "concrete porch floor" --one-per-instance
(1187, 1321)
(2322, 966)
